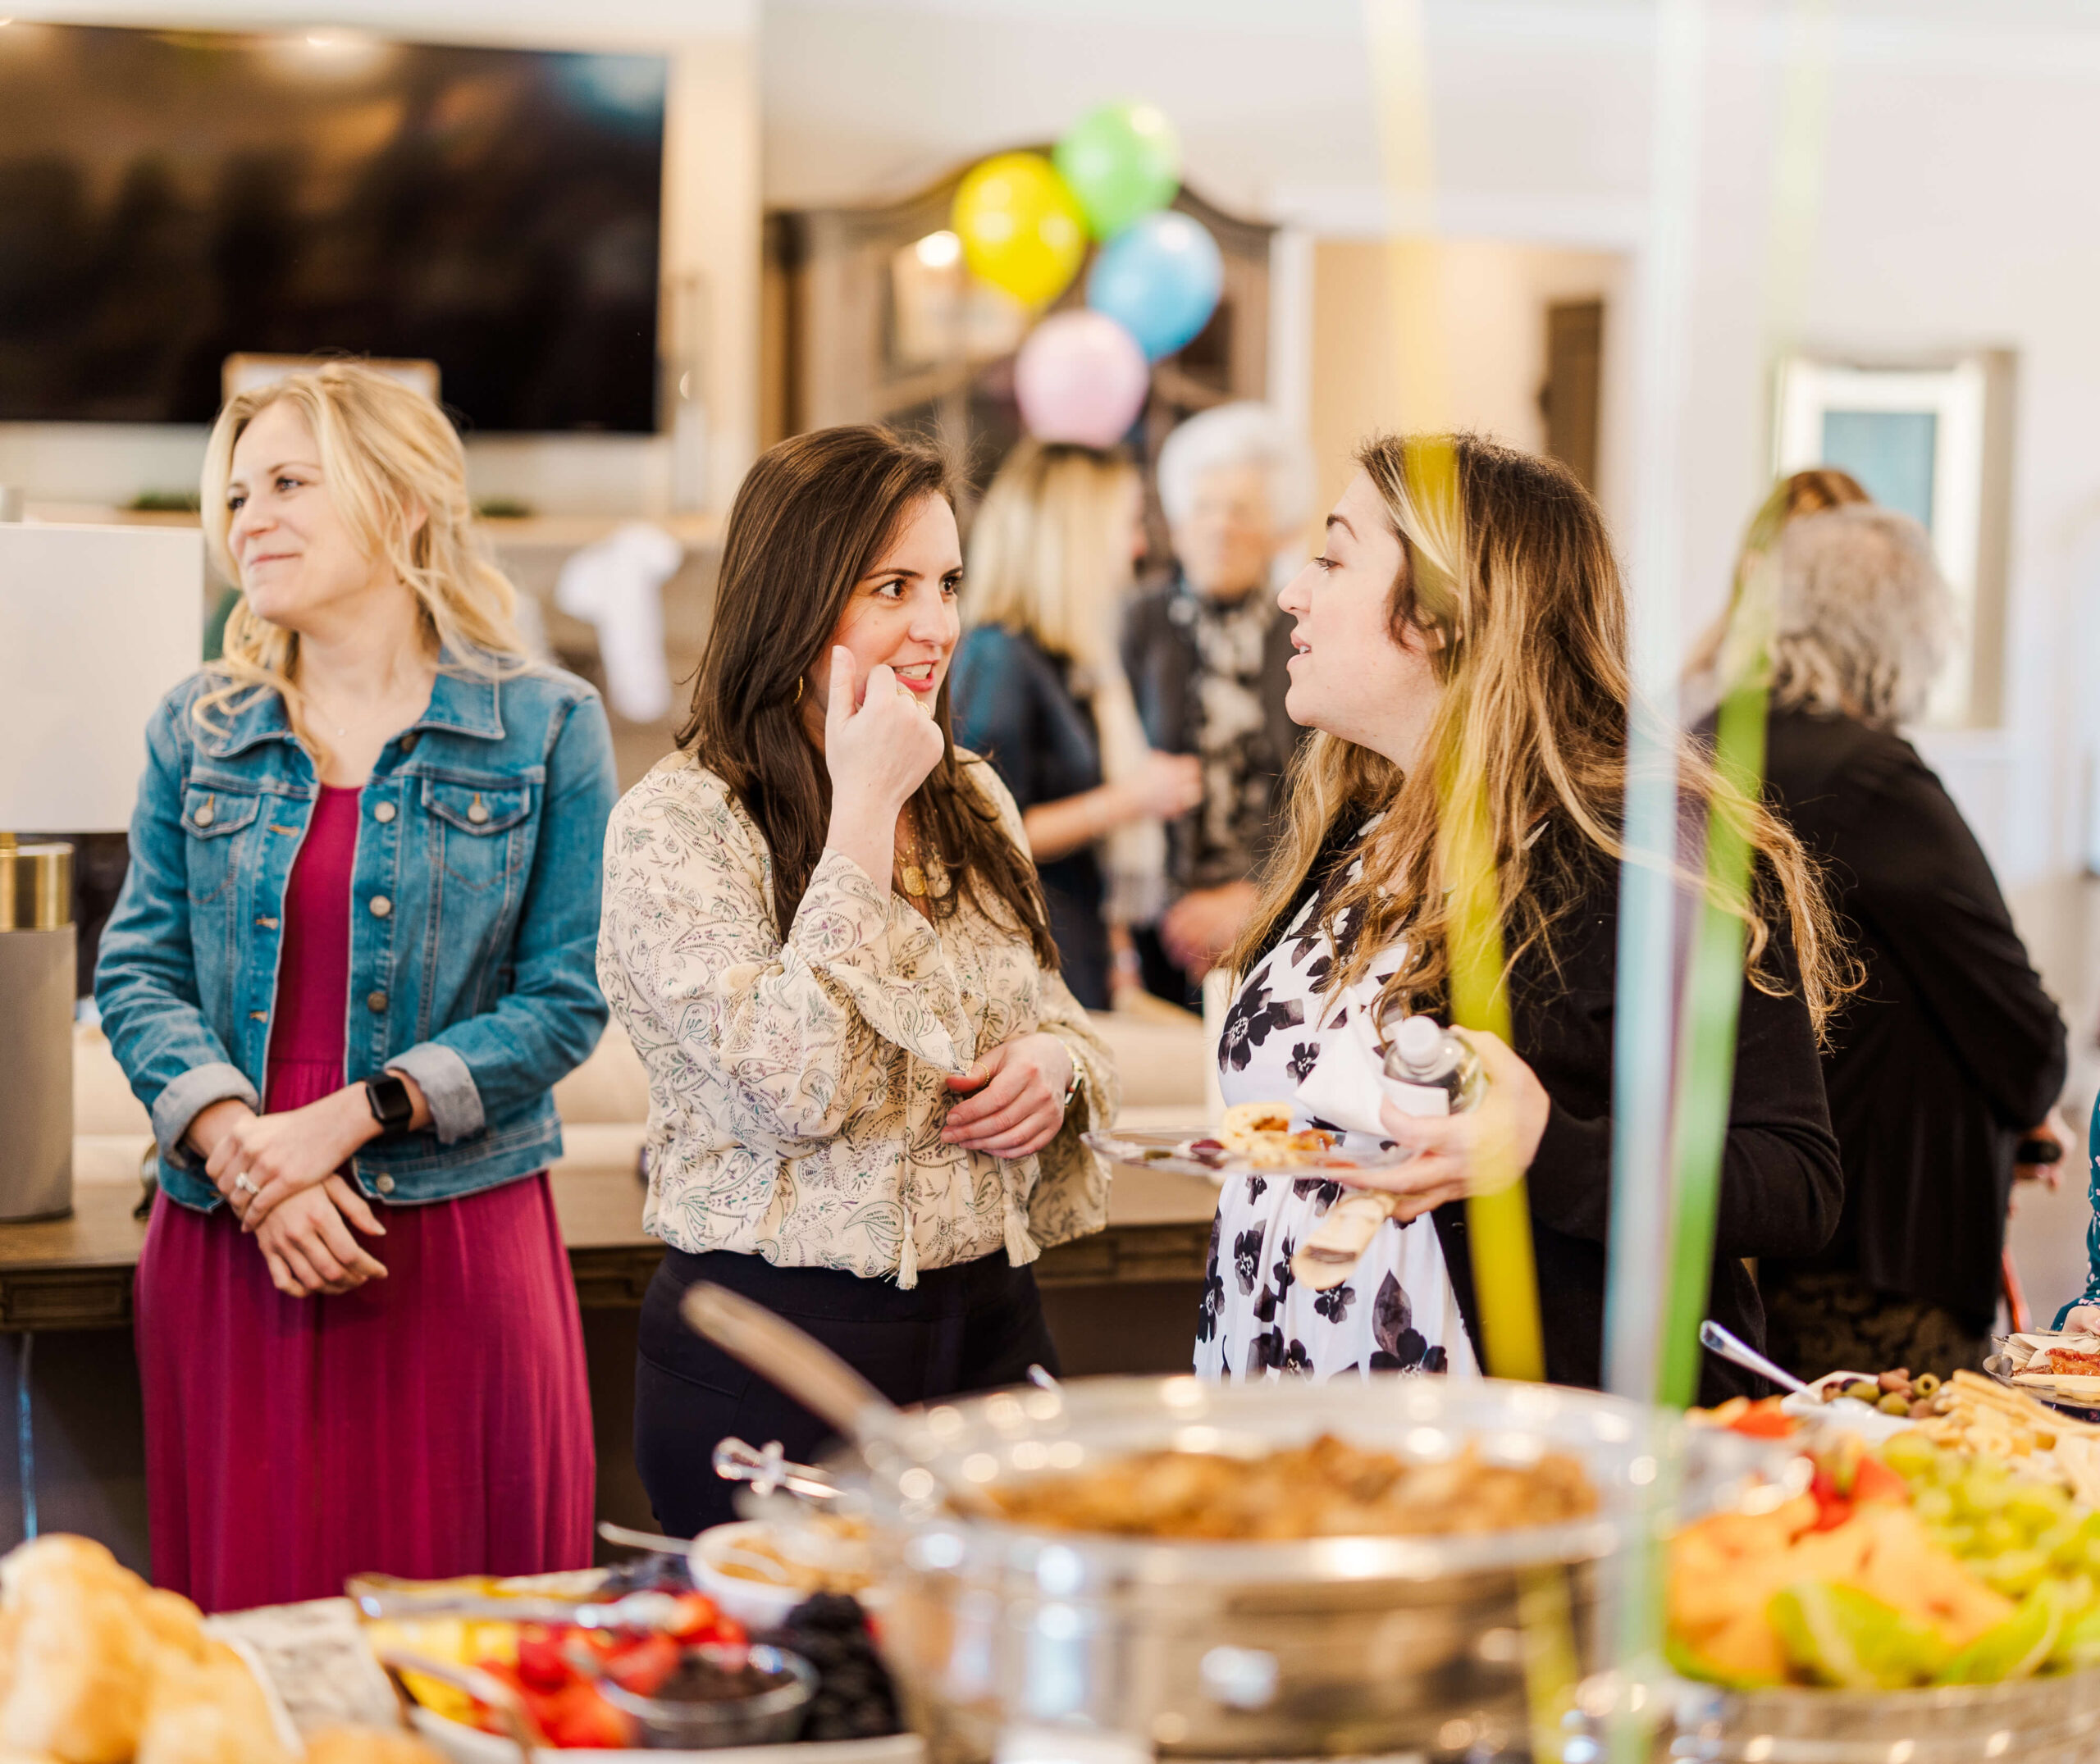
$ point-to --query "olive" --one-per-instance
(1892, 1403)
(1863, 1391)
(1925, 1384)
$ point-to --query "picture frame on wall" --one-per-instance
(1932, 439)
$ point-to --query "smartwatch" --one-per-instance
(391, 1105)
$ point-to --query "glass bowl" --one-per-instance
(768, 1717)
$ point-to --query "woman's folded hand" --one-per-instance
(1019, 1100)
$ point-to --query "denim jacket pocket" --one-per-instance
(480, 828)
(211, 815)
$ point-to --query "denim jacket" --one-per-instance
(473, 922)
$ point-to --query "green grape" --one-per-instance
(1957, 1539)
(1911, 1456)
(1997, 1534)
(1982, 1492)
(1935, 1506)
(2063, 1543)
(2035, 1508)
(2015, 1573)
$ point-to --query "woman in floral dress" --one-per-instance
(1463, 638)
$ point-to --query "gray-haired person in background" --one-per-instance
(1207, 656)
(1950, 1051)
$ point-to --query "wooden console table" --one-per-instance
(76, 1274)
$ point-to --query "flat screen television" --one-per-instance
(168, 199)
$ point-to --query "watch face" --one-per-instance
(389, 1102)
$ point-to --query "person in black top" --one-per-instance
(1037, 692)
(1462, 642)
(1950, 1052)
(1206, 656)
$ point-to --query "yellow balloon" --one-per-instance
(1021, 228)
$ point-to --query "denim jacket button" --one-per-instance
(204, 817)
(383, 812)
(375, 1002)
(408, 742)
(381, 906)
(385, 1185)
(477, 811)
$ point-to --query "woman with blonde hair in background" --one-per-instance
(1461, 645)
(1038, 692)
(352, 956)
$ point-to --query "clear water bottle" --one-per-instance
(1430, 1070)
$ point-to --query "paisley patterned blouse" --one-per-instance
(796, 1089)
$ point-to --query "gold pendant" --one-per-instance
(913, 877)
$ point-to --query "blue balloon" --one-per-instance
(1159, 278)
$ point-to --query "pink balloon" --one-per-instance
(1080, 377)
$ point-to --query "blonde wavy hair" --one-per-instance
(1508, 571)
(388, 454)
(1050, 548)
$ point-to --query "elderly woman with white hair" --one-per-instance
(1207, 656)
(1945, 1057)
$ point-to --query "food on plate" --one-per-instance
(2066, 1366)
(1895, 1394)
(855, 1699)
(96, 1667)
(1984, 1418)
(552, 1669)
(1763, 1419)
(368, 1745)
(822, 1552)
(1261, 1133)
(1328, 1488)
(1909, 1566)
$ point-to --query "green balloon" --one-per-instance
(1121, 160)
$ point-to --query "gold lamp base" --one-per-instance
(37, 960)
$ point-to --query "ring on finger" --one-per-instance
(243, 1184)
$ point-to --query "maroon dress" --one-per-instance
(434, 1422)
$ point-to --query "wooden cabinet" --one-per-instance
(868, 317)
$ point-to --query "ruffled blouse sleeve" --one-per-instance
(707, 989)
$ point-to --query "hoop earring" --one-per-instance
(797, 698)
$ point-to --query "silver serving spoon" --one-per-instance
(811, 1374)
(1740, 1353)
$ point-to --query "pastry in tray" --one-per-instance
(2056, 1364)
(1252, 1135)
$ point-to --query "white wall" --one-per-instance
(711, 235)
(1954, 210)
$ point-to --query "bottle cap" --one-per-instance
(1419, 1041)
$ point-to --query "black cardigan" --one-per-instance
(1951, 1049)
(1780, 1182)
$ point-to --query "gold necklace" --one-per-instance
(914, 877)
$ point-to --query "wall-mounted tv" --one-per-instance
(168, 199)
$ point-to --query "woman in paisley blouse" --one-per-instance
(822, 931)
(1462, 639)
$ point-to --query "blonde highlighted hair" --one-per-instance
(1050, 549)
(1508, 573)
(388, 455)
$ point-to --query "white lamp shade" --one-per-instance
(96, 624)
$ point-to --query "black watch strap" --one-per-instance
(391, 1105)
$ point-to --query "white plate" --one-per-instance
(1160, 1148)
(469, 1745)
(1847, 1413)
(753, 1603)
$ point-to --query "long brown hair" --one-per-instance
(812, 518)
(1507, 563)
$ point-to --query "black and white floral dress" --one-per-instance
(1397, 1312)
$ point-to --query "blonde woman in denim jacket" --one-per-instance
(352, 954)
